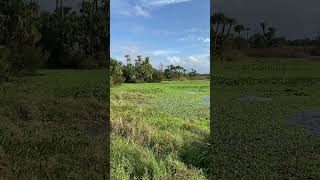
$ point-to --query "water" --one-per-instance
(310, 120)
(206, 99)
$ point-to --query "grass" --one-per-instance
(52, 125)
(253, 140)
(160, 130)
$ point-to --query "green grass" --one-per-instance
(253, 140)
(160, 130)
(52, 124)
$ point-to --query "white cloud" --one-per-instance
(174, 60)
(140, 11)
(139, 7)
(159, 3)
(195, 38)
(200, 62)
(162, 52)
(197, 30)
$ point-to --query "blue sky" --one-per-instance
(168, 31)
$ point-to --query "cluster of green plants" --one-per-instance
(160, 130)
(53, 125)
(232, 40)
(142, 71)
(254, 140)
(60, 39)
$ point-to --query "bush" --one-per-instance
(157, 76)
(4, 66)
(232, 54)
(116, 72)
(315, 51)
(25, 60)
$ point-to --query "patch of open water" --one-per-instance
(310, 120)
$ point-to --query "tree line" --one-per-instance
(64, 38)
(231, 38)
(141, 71)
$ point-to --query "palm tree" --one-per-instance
(128, 59)
(263, 26)
(217, 18)
(147, 60)
(231, 22)
(57, 6)
(224, 21)
(247, 30)
(272, 31)
(239, 28)
(62, 8)
(138, 60)
(95, 5)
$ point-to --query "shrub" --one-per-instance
(157, 76)
(4, 65)
(116, 72)
(315, 51)
(232, 54)
(24, 60)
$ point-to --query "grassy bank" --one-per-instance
(160, 130)
(254, 139)
(52, 125)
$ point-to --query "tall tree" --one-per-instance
(62, 8)
(217, 18)
(264, 26)
(57, 6)
(128, 59)
(239, 28)
(231, 22)
(247, 31)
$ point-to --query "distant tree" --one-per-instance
(264, 26)
(231, 22)
(128, 59)
(217, 20)
(116, 72)
(147, 70)
(247, 31)
(239, 28)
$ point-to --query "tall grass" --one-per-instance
(151, 134)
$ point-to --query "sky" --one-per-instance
(168, 31)
(292, 18)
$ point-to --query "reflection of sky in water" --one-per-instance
(206, 99)
(310, 120)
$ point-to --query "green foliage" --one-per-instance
(155, 128)
(174, 72)
(141, 71)
(259, 143)
(74, 39)
(52, 125)
(4, 65)
(116, 72)
(20, 60)
(26, 60)
(71, 39)
(157, 76)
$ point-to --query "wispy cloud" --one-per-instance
(162, 52)
(160, 3)
(197, 30)
(195, 38)
(141, 11)
(140, 7)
